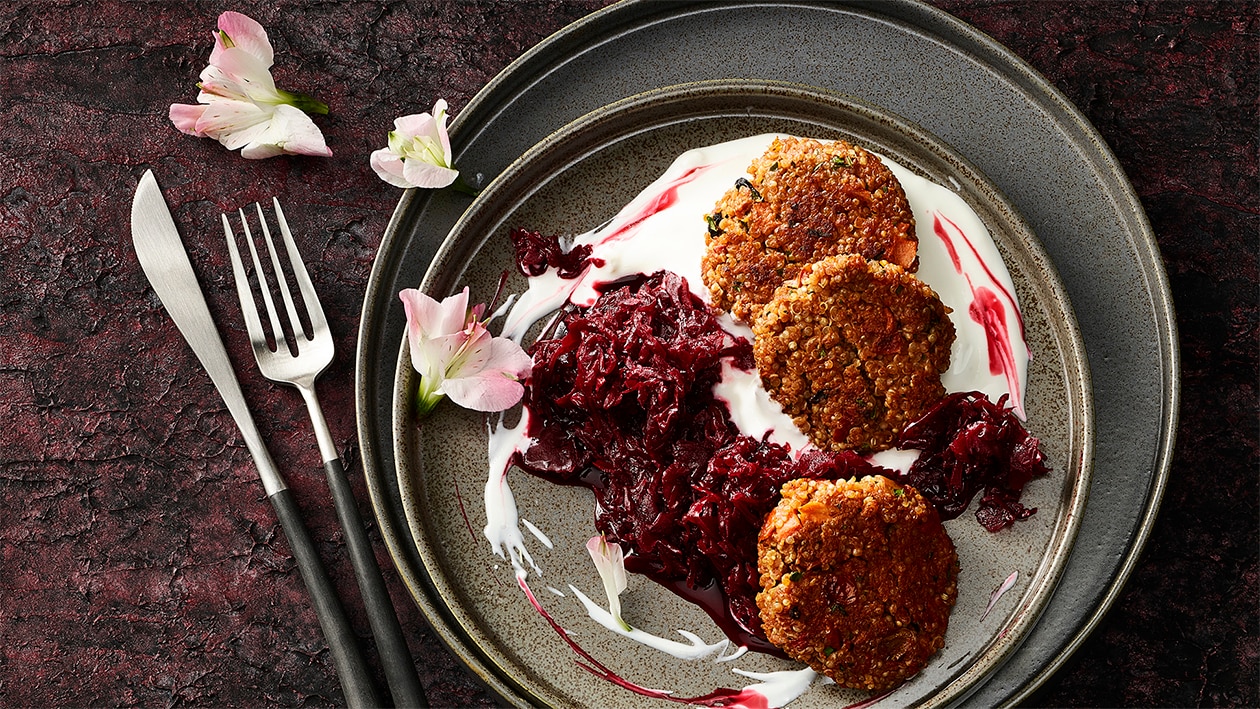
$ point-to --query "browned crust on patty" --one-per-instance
(853, 350)
(858, 579)
(804, 200)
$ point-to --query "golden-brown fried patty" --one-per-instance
(804, 200)
(853, 350)
(858, 579)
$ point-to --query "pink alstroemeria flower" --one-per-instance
(610, 561)
(456, 356)
(419, 152)
(239, 104)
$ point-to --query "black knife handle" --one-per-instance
(400, 670)
(356, 680)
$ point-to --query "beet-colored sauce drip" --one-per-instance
(988, 311)
(943, 234)
(663, 200)
(746, 698)
(986, 308)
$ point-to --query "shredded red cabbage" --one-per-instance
(969, 443)
(536, 252)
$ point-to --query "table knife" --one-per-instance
(165, 263)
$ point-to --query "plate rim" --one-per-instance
(1096, 156)
(439, 280)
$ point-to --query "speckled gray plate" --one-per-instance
(580, 177)
(945, 76)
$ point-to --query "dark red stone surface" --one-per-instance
(139, 562)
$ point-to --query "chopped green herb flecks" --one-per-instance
(714, 221)
(743, 182)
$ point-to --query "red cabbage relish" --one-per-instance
(621, 401)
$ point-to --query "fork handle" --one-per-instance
(400, 670)
(343, 644)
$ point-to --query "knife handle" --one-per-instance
(352, 670)
(400, 670)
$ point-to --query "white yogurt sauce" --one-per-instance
(663, 229)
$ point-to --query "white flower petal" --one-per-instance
(610, 562)
(421, 174)
(233, 123)
(420, 124)
(218, 84)
(434, 357)
(474, 352)
(289, 131)
(250, 74)
(439, 114)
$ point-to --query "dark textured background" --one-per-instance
(139, 564)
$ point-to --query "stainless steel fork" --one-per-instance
(298, 359)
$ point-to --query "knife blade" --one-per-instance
(165, 263)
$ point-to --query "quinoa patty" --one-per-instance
(853, 350)
(804, 200)
(858, 579)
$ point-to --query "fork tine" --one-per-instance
(276, 331)
(243, 292)
(281, 281)
(313, 309)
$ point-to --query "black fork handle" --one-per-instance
(343, 644)
(400, 670)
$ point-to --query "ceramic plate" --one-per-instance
(919, 63)
(578, 178)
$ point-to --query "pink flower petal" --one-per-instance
(506, 356)
(488, 391)
(185, 118)
(427, 175)
(428, 319)
(447, 317)
(233, 123)
(389, 167)
(244, 33)
(414, 125)
(487, 378)
(999, 592)
(418, 307)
